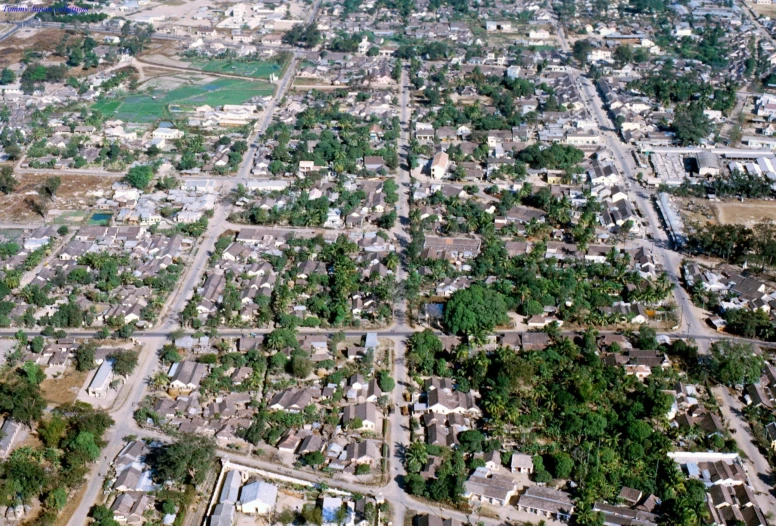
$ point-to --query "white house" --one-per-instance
(166, 133)
(258, 498)
(101, 381)
(439, 165)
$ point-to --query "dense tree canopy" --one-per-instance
(475, 310)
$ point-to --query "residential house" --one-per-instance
(490, 487)
(547, 502)
(439, 165)
(367, 413)
(185, 376)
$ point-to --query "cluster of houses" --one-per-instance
(256, 278)
(239, 490)
(375, 111)
(352, 441)
(146, 256)
(729, 494)
(187, 204)
(133, 486)
(27, 243)
(340, 215)
(734, 290)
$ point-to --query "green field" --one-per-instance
(144, 108)
(258, 70)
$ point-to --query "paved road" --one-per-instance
(135, 387)
(760, 472)
(691, 326)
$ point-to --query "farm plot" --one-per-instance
(155, 106)
(257, 69)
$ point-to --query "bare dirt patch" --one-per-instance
(63, 389)
(763, 9)
(73, 194)
(28, 39)
(695, 210)
(746, 213)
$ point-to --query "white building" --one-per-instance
(101, 381)
(258, 498)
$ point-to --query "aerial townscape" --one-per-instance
(388, 262)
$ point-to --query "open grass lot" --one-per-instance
(148, 108)
(258, 70)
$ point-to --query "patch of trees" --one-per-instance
(37, 74)
(710, 49)
(135, 37)
(667, 87)
(734, 363)
(303, 36)
(140, 176)
(555, 157)
(346, 43)
(72, 438)
(735, 243)
(690, 124)
(749, 324)
(187, 461)
(738, 184)
(566, 403)
(475, 311)
(61, 12)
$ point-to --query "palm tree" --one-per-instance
(159, 381)
(416, 455)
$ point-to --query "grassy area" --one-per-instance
(11, 234)
(148, 108)
(68, 217)
(255, 69)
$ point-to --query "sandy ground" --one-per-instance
(763, 10)
(73, 194)
(180, 13)
(13, 48)
(746, 213)
(64, 388)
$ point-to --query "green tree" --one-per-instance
(690, 124)
(32, 373)
(422, 350)
(385, 381)
(415, 457)
(37, 343)
(471, 440)
(186, 461)
(734, 363)
(84, 357)
(7, 76)
(314, 458)
(475, 310)
(647, 339)
(8, 182)
(57, 498)
(140, 176)
(581, 49)
(124, 362)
